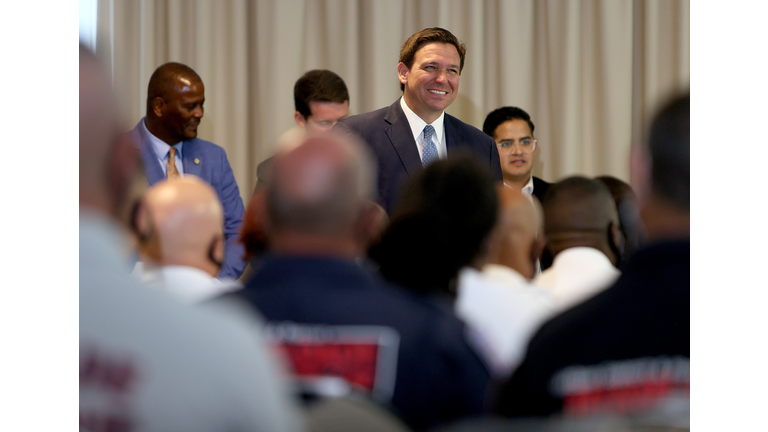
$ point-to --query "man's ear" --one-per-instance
(402, 72)
(616, 241)
(149, 245)
(218, 248)
(141, 222)
(370, 225)
(539, 243)
(300, 120)
(158, 106)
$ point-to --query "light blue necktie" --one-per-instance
(429, 154)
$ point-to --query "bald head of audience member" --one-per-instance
(175, 99)
(108, 159)
(661, 172)
(319, 200)
(580, 212)
(515, 241)
(181, 224)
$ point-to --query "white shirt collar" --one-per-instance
(417, 128)
(527, 189)
(576, 274)
(503, 274)
(190, 284)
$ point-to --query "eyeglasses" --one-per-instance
(527, 145)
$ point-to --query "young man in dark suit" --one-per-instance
(415, 131)
(512, 129)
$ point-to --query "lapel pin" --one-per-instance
(197, 161)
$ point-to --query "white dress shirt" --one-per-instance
(577, 274)
(417, 128)
(502, 311)
(189, 284)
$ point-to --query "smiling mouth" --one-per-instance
(438, 92)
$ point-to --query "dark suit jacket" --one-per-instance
(209, 162)
(540, 188)
(389, 135)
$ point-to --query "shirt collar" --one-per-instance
(189, 283)
(527, 189)
(417, 124)
(503, 274)
(160, 147)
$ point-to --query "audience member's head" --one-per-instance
(661, 172)
(319, 199)
(439, 225)
(431, 62)
(512, 129)
(180, 223)
(629, 213)
(580, 212)
(321, 99)
(253, 233)
(515, 241)
(109, 161)
(175, 100)
(378, 224)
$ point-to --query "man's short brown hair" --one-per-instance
(427, 36)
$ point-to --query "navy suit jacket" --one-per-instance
(389, 135)
(209, 162)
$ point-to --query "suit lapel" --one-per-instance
(451, 133)
(399, 133)
(191, 159)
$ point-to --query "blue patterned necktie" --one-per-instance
(429, 153)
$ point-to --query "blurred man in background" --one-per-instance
(148, 362)
(321, 99)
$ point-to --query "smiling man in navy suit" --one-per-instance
(167, 139)
(415, 131)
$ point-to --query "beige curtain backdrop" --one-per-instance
(588, 71)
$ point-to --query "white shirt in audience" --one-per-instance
(577, 274)
(502, 311)
(189, 284)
